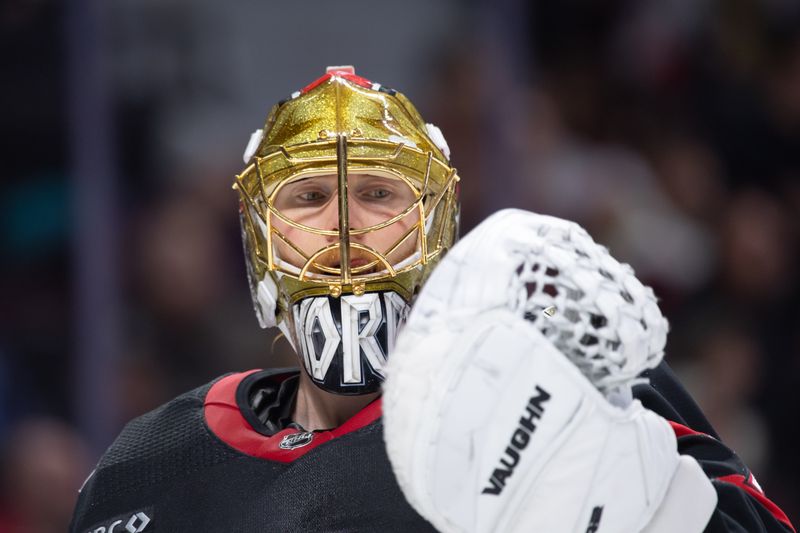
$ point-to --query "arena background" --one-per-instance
(670, 129)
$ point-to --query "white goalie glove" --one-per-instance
(508, 401)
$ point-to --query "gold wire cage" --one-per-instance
(338, 128)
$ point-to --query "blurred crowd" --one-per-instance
(669, 129)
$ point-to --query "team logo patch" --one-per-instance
(296, 440)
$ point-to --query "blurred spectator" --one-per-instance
(758, 250)
(723, 375)
(191, 311)
(44, 462)
(616, 194)
(691, 175)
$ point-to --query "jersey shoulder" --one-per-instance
(175, 427)
(151, 453)
(664, 394)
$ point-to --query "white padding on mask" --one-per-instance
(438, 139)
(266, 301)
(252, 144)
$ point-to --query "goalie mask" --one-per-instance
(346, 204)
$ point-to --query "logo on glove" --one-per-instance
(594, 520)
(534, 410)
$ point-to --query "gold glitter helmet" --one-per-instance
(347, 202)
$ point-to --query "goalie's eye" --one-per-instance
(377, 194)
(311, 196)
(305, 195)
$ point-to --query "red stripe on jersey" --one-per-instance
(737, 479)
(753, 491)
(685, 431)
(226, 421)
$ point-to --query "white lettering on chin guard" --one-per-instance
(344, 342)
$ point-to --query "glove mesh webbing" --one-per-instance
(603, 318)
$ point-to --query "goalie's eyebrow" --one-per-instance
(306, 178)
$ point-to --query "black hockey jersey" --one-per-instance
(226, 457)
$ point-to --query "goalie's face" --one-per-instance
(348, 201)
(373, 204)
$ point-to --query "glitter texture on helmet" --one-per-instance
(347, 191)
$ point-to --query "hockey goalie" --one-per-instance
(509, 381)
